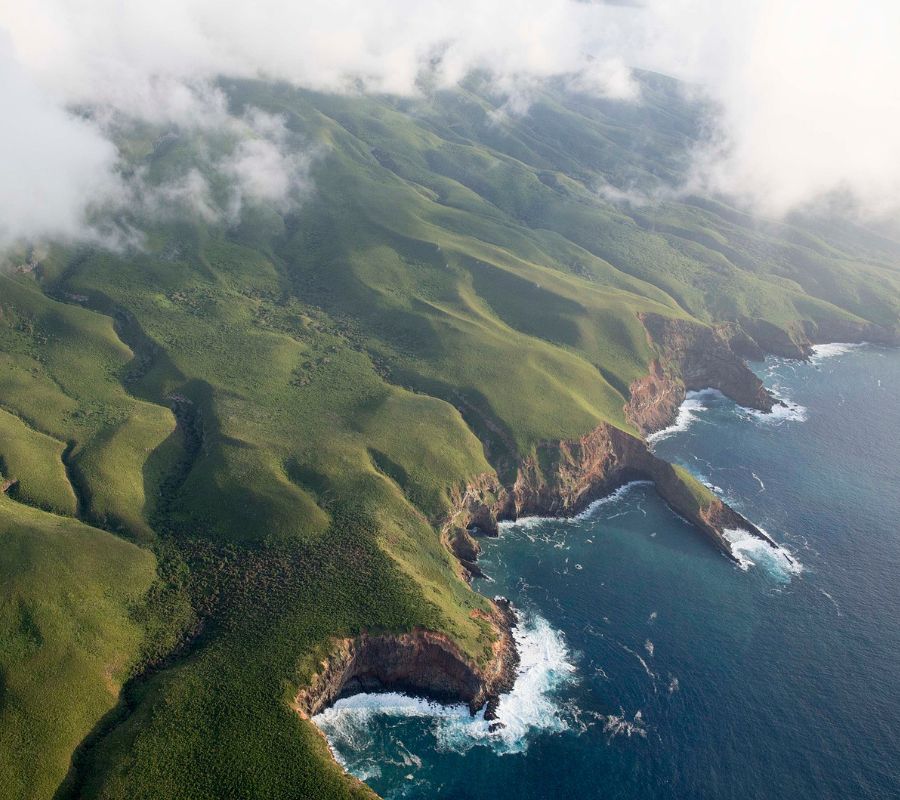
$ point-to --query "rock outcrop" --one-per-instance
(798, 342)
(420, 662)
(563, 478)
(692, 357)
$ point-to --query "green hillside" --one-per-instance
(238, 441)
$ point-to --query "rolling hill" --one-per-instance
(248, 439)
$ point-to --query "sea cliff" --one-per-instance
(561, 479)
(420, 662)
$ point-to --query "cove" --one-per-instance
(655, 667)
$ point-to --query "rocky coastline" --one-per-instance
(580, 472)
(420, 662)
(561, 479)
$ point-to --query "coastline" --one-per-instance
(587, 471)
(630, 577)
(420, 662)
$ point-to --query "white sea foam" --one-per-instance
(687, 413)
(650, 673)
(613, 497)
(619, 725)
(822, 351)
(545, 664)
(648, 646)
(837, 608)
(751, 551)
(529, 523)
(788, 411)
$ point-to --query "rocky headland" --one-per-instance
(421, 662)
(561, 479)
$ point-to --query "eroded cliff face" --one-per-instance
(421, 662)
(799, 340)
(563, 478)
(693, 357)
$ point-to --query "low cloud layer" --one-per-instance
(807, 89)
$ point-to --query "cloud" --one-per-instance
(265, 167)
(806, 88)
(807, 91)
(251, 159)
(157, 61)
(51, 163)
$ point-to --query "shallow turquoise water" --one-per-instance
(654, 666)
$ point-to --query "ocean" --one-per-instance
(655, 667)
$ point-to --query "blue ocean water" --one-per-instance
(654, 667)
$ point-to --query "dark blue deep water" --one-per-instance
(654, 667)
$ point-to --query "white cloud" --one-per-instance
(806, 87)
(808, 92)
(156, 60)
(255, 160)
(51, 163)
(264, 166)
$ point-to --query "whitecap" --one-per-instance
(648, 646)
(749, 551)
(822, 351)
(687, 413)
(544, 666)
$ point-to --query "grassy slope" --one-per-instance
(66, 639)
(453, 292)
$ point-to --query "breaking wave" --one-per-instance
(751, 551)
(526, 523)
(613, 497)
(687, 413)
(822, 351)
(530, 706)
(789, 411)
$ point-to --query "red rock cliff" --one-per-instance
(420, 661)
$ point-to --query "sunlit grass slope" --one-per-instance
(67, 639)
(281, 407)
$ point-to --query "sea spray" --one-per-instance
(750, 551)
(544, 666)
(687, 413)
(530, 707)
